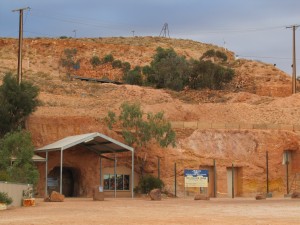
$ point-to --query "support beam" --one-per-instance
(267, 170)
(158, 167)
(61, 171)
(100, 183)
(46, 175)
(215, 179)
(175, 180)
(115, 176)
(232, 184)
(132, 174)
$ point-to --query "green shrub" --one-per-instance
(95, 61)
(167, 70)
(4, 198)
(126, 67)
(133, 77)
(108, 58)
(117, 64)
(209, 53)
(148, 183)
(205, 74)
(221, 55)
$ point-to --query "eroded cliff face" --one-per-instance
(259, 95)
(196, 149)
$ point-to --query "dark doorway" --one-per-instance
(70, 181)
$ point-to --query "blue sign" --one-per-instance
(196, 178)
(196, 173)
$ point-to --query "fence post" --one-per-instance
(175, 180)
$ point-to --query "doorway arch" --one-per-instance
(70, 181)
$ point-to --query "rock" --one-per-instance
(56, 197)
(260, 197)
(295, 195)
(97, 194)
(201, 197)
(47, 199)
(155, 194)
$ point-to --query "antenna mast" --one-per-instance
(164, 31)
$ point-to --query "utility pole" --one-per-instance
(294, 58)
(20, 42)
(132, 33)
(74, 33)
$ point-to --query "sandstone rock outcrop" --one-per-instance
(56, 197)
(201, 197)
(155, 194)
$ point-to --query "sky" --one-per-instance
(252, 29)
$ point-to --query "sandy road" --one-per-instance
(77, 211)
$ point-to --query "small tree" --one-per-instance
(69, 60)
(95, 61)
(126, 67)
(108, 58)
(17, 147)
(17, 102)
(167, 70)
(117, 64)
(133, 77)
(140, 129)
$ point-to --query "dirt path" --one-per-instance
(80, 211)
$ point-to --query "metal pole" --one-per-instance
(158, 167)
(46, 175)
(267, 170)
(287, 175)
(115, 175)
(100, 171)
(61, 171)
(232, 174)
(132, 173)
(215, 179)
(175, 180)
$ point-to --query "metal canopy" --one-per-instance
(96, 142)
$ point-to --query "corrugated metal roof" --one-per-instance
(35, 158)
(96, 142)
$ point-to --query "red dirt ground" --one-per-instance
(77, 211)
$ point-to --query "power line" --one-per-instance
(265, 57)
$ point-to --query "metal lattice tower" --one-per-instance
(164, 31)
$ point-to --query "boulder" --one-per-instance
(260, 197)
(56, 197)
(295, 195)
(98, 194)
(201, 197)
(155, 194)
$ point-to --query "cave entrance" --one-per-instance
(70, 181)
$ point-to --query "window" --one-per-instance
(122, 182)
